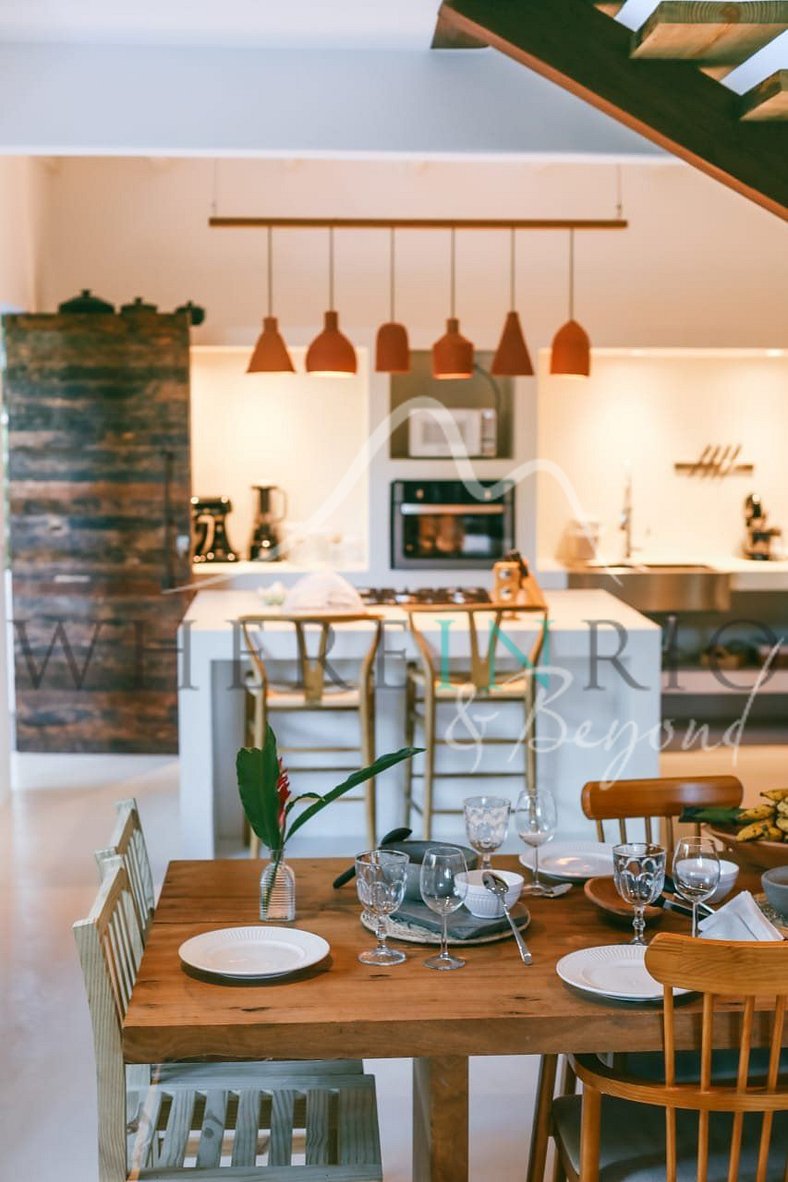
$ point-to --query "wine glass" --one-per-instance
(696, 872)
(639, 875)
(443, 894)
(535, 818)
(381, 876)
(486, 824)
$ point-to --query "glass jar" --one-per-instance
(277, 890)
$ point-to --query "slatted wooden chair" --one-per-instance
(128, 843)
(432, 682)
(311, 690)
(700, 1130)
(656, 799)
(174, 1124)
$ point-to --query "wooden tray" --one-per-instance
(752, 855)
(602, 892)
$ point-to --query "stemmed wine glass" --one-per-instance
(381, 876)
(696, 872)
(639, 875)
(443, 894)
(535, 818)
(486, 824)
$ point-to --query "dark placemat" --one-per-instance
(461, 924)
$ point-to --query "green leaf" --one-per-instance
(257, 770)
(714, 816)
(359, 777)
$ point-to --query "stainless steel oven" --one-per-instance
(445, 525)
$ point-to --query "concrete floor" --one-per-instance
(48, 832)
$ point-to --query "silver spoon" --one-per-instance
(499, 888)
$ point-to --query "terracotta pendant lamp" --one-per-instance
(331, 354)
(392, 351)
(571, 352)
(512, 358)
(452, 355)
(270, 353)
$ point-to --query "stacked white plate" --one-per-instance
(253, 953)
(616, 971)
(572, 861)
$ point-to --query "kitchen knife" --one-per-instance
(394, 836)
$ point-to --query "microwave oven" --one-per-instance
(435, 432)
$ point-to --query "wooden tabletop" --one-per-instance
(341, 1008)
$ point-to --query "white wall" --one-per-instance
(650, 409)
(298, 432)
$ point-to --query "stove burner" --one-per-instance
(424, 595)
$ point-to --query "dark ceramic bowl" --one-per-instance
(416, 851)
(775, 884)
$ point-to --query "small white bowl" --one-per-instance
(729, 872)
(483, 903)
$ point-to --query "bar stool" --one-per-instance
(313, 688)
(432, 682)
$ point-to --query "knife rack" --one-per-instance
(716, 460)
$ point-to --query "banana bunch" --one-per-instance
(766, 822)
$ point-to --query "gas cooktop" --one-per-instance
(439, 595)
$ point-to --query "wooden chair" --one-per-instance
(311, 690)
(128, 843)
(432, 682)
(631, 1130)
(178, 1123)
(626, 800)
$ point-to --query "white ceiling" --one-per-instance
(302, 24)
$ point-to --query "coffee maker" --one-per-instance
(209, 529)
(271, 511)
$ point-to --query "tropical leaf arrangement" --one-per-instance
(267, 799)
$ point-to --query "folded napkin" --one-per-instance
(461, 924)
(323, 591)
(740, 919)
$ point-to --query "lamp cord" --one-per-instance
(512, 271)
(571, 274)
(331, 268)
(452, 275)
(270, 272)
(391, 273)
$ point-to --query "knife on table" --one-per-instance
(396, 835)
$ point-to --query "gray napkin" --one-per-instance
(461, 925)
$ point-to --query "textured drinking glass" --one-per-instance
(639, 875)
(535, 818)
(381, 876)
(486, 824)
(443, 894)
(696, 872)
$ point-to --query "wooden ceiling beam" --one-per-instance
(676, 107)
(767, 100)
(710, 33)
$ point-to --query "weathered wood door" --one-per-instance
(98, 485)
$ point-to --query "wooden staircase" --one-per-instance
(664, 80)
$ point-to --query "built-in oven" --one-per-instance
(450, 525)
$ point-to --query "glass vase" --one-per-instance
(277, 890)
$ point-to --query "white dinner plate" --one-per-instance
(617, 971)
(572, 861)
(253, 952)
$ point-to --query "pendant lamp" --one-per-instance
(331, 354)
(571, 352)
(270, 353)
(452, 355)
(512, 358)
(392, 351)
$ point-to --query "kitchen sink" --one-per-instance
(654, 587)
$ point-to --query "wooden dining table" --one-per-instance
(341, 1008)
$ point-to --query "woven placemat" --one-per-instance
(774, 916)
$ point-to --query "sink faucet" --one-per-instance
(625, 521)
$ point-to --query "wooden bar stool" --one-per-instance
(432, 683)
(313, 688)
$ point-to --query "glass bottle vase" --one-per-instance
(277, 890)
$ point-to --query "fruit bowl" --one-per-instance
(752, 855)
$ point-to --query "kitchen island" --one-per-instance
(597, 716)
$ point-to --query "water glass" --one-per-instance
(381, 876)
(486, 824)
(639, 875)
(443, 894)
(536, 818)
(696, 872)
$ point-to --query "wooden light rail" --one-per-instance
(241, 223)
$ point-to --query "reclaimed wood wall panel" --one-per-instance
(98, 494)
